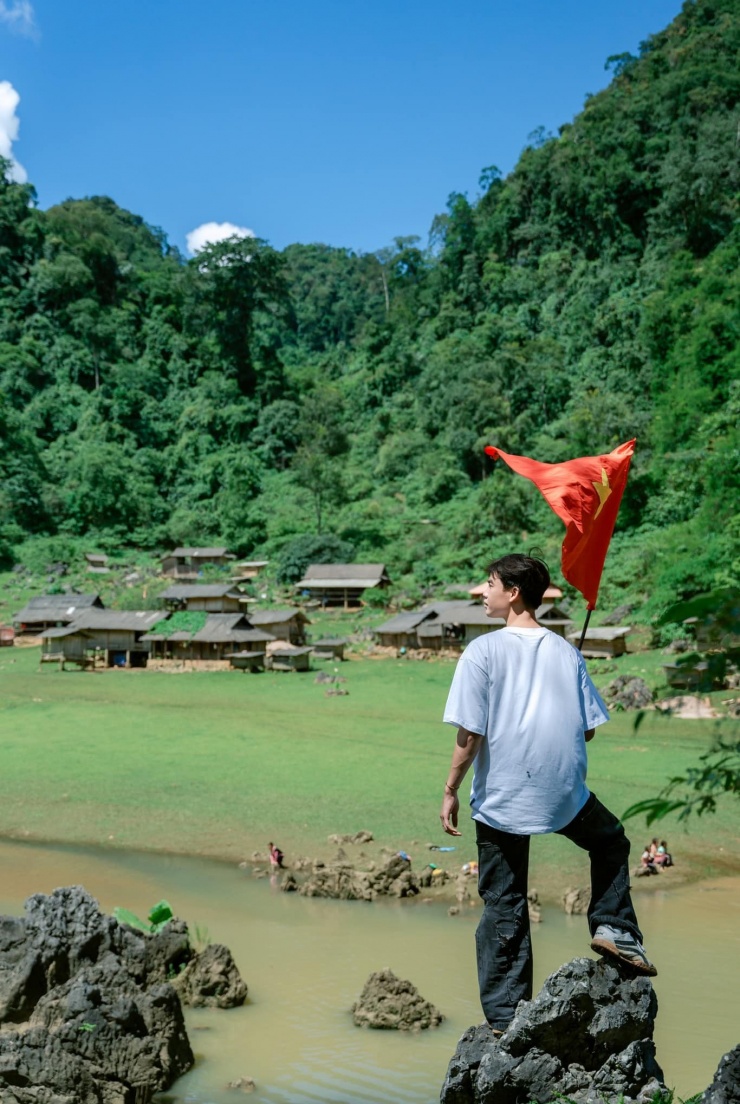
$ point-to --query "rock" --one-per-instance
(617, 616)
(533, 907)
(211, 980)
(453, 910)
(97, 1038)
(363, 836)
(88, 1012)
(576, 901)
(725, 1087)
(290, 885)
(246, 1084)
(389, 1002)
(587, 1035)
(342, 881)
(627, 692)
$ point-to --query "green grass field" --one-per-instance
(218, 763)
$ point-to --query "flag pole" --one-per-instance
(583, 634)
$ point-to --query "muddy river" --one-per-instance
(305, 962)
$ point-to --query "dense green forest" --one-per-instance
(250, 396)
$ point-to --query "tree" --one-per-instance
(240, 279)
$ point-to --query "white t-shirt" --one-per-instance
(528, 692)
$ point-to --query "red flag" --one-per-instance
(585, 493)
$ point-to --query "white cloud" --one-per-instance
(18, 15)
(9, 123)
(210, 232)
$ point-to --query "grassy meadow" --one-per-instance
(218, 763)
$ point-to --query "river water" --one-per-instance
(305, 962)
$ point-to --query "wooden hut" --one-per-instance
(330, 647)
(207, 598)
(286, 624)
(97, 563)
(602, 643)
(289, 659)
(246, 661)
(218, 636)
(189, 563)
(341, 584)
(49, 611)
(113, 635)
(246, 570)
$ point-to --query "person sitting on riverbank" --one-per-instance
(647, 863)
(663, 857)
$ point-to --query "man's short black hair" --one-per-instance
(526, 572)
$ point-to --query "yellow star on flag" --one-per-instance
(603, 490)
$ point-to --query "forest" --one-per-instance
(318, 398)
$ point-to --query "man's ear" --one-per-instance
(514, 593)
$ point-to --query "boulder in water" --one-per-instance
(390, 1002)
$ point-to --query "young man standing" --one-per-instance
(524, 706)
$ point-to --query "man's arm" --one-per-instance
(465, 751)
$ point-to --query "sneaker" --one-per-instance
(622, 946)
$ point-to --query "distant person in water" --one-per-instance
(524, 707)
(276, 856)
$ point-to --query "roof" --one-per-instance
(96, 558)
(344, 575)
(244, 655)
(219, 628)
(200, 553)
(118, 620)
(403, 622)
(602, 634)
(550, 612)
(56, 607)
(252, 563)
(285, 652)
(210, 590)
(275, 617)
(330, 641)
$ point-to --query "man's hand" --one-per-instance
(448, 813)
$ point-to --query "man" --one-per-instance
(524, 707)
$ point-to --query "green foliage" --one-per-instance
(190, 621)
(159, 915)
(716, 775)
(248, 396)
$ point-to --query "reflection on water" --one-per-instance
(305, 962)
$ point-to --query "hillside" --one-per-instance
(250, 396)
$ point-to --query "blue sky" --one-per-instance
(339, 121)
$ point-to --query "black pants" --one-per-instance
(504, 948)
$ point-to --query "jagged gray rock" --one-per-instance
(89, 1014)
(211, 980)
(725, 1087)
(586, 1035)
(391, 1003)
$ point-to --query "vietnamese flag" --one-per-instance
(585, 493)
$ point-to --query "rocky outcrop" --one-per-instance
(343, 881)
(575, 901)
(211, 980)
(725, 1088)
(628, 692)
(390, 1003)
(587, 1035)
(87, 1011)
